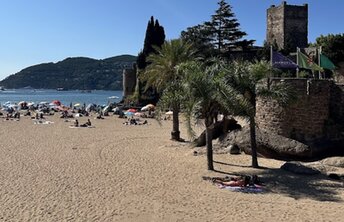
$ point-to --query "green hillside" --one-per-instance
(73, 73)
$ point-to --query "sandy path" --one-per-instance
(116, 172)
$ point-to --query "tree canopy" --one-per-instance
(220, 35)
(155, 36)
(163, 74)
(332, 46)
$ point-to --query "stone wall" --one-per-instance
(287, 24)
(335, 127)
(129, 82)
(275, 26)
(296, 25)
(340, 73)
(306, 119)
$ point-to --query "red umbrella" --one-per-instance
(132, 110)
(56, 102)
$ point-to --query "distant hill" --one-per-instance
(73, 73)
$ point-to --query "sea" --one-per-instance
(99, 97)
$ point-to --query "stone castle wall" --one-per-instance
(288, 24)
(129, 82)
(275, 26)
(310, 117)
(296, 25)
(337, 102)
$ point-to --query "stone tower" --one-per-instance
(129, 81)
(287, 25)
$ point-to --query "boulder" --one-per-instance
(334, 161)
(268, 145)
(298, 168)
(219, 128)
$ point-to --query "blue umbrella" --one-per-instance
(129, 114)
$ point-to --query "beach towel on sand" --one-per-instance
(251, 184)
(81, 127)
(42, 122)
(248, 189)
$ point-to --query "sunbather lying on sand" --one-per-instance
(237, 181)
(233, 182)
(87, 124)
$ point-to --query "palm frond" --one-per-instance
(283, 93)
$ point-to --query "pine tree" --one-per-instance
(224, 29)
(198, 37)
(219, 36)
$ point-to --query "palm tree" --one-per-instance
(206, 97)
(231, 86)
(245, 79)
(201, 93)
(163, 75)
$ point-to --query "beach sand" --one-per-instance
(116, 172)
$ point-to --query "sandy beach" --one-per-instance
(116, 172)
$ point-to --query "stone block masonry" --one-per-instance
(129, 82)
(287, 25)
(310, 117)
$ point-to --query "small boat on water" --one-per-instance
(60, 89)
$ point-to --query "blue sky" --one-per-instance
(38, 31)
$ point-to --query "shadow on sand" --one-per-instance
(316, 187)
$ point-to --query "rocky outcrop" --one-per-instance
(298, 168)
(268, 145)
(219, 128)
(334, 161)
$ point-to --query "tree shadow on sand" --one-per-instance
(317, 187)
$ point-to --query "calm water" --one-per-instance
(99, 97)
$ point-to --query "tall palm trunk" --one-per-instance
(175, 134)
(209, 142)
(253, 142)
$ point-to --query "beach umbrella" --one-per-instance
(30, 104)
(106, 109)
(22, 103)
(132, 110)
(129, 114)
(169, 113)
(90, 107)
(148, 107)
(7, 103)
(56, 102)
(116, 109)
(77, 105)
